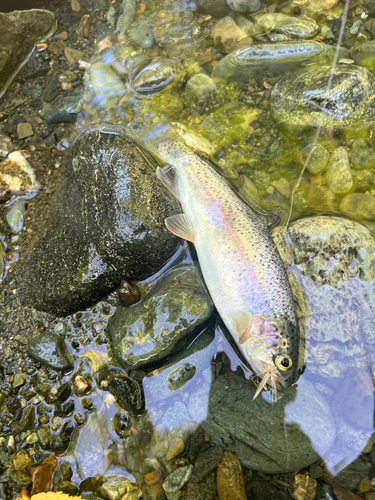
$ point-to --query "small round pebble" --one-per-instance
(200, 87)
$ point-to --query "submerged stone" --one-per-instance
(128, 392)
(300, 101)
(360, 206)
(15, 215)
(105, 225)
(364, 55)
(20, 30)
(50, 348)
(259, 59)
(160, 324)
(338, 176)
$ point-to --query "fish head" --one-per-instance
(271, 346)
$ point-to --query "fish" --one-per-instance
(239, 261)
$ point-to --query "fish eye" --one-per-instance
(283, 362)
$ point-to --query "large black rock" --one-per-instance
(105, 224)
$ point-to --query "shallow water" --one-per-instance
(329, 412)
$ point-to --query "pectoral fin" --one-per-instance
(242, 324)
(167, 177)
(181, 226)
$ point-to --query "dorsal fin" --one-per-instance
(167, 177)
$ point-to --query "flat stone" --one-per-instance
(19, 33)
(72, 56)
(245, 6)
(22, 460)
(137, 337)
(105, 223)
(226, 35)
(347, 106)
(24, 130)
(200, 87)
(257, 488)
(257, 428)
(50, 349)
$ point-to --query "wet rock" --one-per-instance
(296, 100)
(159, 75)
(24, 130)
(130, 293)
(19, 380)
(105, 223)
(175, 447)
(72, 56)
(361, 155)
(283, 187)
(153, 482)
(19, 479)
(338, 176)
(141, 33)
(364, 55)
(6, 145)
(20, 31)
(200, 87)
(127, 17)
(84, 27)
(257, 488)
(245, 6)
(195, 442)
(44, 436)
(41, 475)
(343, 494)
(303, 487)
(128, 392)
(256, 428)
(318, 160)
(359, 206)
(158, 325)
(227, 35)
(205, 490)
(206, 463)
(16, 177)
(215, 8)
(67, 110)
(28, 418)
(50, 349)
(116, 489)
(66, 487)
(178, 377)
(14, 217)
(176, 480)
(251, 62)
(121, 424)
(229, 478)
(349, 477)
(22, 460)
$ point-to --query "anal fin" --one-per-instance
(181, 226)
(167, 177)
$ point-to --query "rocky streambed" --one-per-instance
(118, 378)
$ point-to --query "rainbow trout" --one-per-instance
(239, 261)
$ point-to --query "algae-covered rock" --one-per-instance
(338, 176)
(318, 161)
(20, 31)
(359, 206)
(51, 349)
(158, 325)
(364, 55)
(200, 87)
(300, 101)
(361, 155)
(105, 225)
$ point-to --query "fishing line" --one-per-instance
(329, 84)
